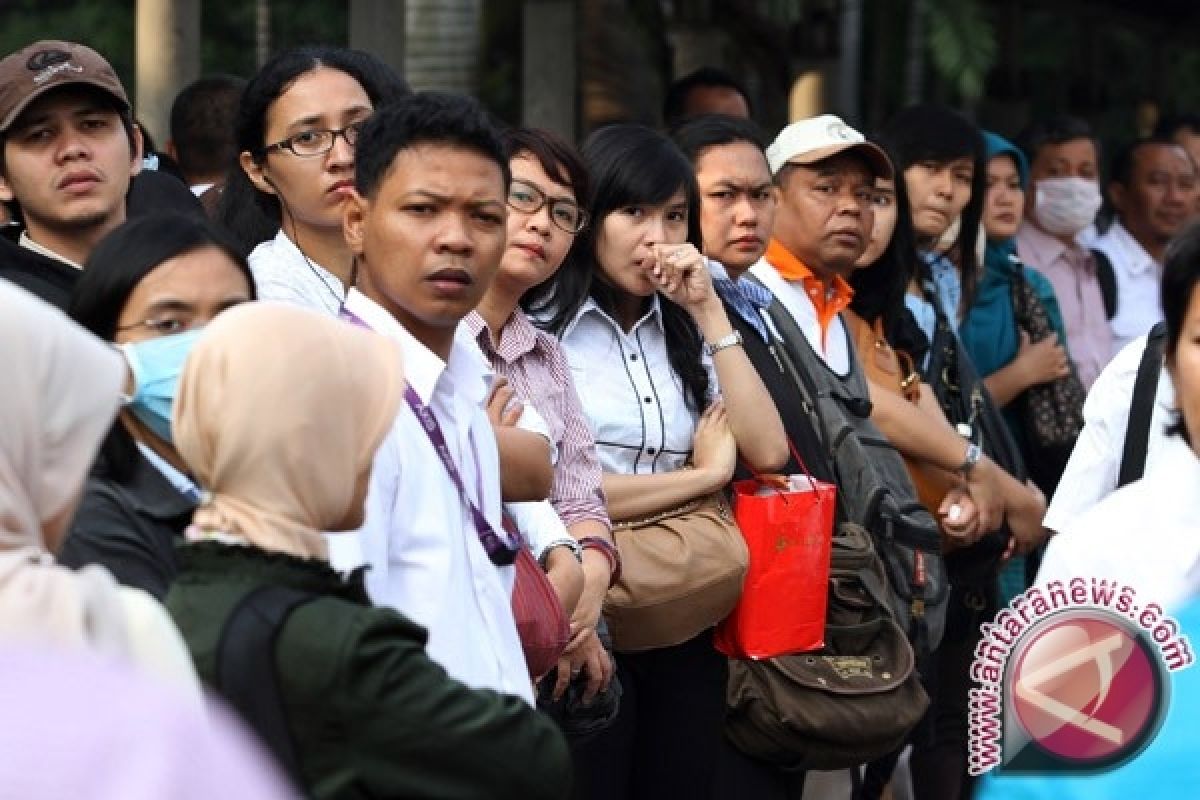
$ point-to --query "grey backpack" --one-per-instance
(874, 489)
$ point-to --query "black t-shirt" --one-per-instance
(48, 278)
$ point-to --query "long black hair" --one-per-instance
(934, 133)
(252, 216)
(1180, 277)
(629, 165)
(111, 274)
(879, 288)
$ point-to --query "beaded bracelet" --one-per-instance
(609, 551)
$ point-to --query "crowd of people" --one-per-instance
(356, 415)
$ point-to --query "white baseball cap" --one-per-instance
(808, 141)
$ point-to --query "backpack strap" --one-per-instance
(1141, 409)
(245, 667)
(1108, 281)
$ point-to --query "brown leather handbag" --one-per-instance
(893, 370)
(681, 573)
(854, 700)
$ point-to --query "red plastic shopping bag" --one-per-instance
(788, 533)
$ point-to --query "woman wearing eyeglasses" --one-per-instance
(149, 287)
(544, 218)
(296, 127)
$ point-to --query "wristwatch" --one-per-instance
(974, 453)
(730, 340)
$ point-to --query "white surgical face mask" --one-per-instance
(1065, 206)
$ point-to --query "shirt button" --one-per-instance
(650, 451)
(633, 356)
(648, 399)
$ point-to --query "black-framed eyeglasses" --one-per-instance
(317, 142)
(529, 199)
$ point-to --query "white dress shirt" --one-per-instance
(633, 400)
(1139, 278)
(283, 273)
(833, 348)
(1092, 471)
(1145, 535)
(419, 540)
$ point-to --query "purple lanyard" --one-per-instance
(499, 552)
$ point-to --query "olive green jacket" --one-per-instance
(371, 715)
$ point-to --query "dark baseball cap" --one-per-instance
(34, 70)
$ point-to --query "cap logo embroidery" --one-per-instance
(46, 58)
(838, 130)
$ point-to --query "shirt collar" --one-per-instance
(791, 268)
(30, 244)
(1136, 257)
(590, 306)
(1046, 249)
(182, 484)
(518, 337)
(422, 367)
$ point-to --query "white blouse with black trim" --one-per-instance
(635, 403)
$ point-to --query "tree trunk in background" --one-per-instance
(914, 62)
(168, 58)
(549, 69)
(378, 27)
(850, 34)
(442, 44)
(262, 31)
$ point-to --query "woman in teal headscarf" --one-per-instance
(1003, 354)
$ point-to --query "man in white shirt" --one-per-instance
(427, 227)
(826, 174)
(1153, 190)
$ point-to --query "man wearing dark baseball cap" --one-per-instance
(68, 150)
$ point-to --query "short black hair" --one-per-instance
(1058, 129)
(675, 103)
(1169, 126)
(132, 251)
(1180, 277)
(203, 117)
(555, 155)
(1121, 170)
(424, 118)
(694, 136)
(113, 271)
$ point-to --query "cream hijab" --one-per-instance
(60, 397)
(279, 412)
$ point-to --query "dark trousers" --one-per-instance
(667, 737)
(939, 758)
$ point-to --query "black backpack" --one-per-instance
(874, 488)
(245, 668)
(1141, 408)
(1107, 279)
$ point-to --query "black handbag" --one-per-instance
(1053, 411)
(968, 406)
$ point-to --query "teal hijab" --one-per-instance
(987, 330)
